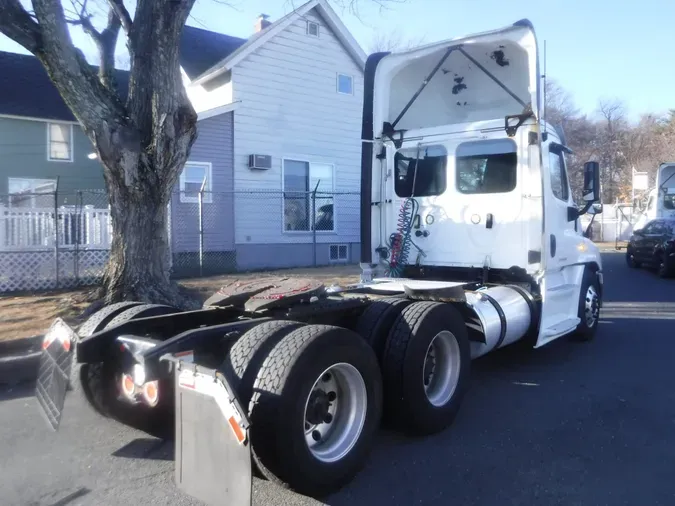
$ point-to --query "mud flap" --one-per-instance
(54, 371)
(213, 455)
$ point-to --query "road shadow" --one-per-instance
(148, 449)
(10, 392)
(565, 424)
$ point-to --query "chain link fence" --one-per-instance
(53, 240)
(62, 240)
(226, 232)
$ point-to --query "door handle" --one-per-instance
(553, 245)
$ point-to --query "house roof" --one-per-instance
(201, 49)
(242, 51)
(27, 91)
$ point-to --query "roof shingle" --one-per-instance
(26, 90)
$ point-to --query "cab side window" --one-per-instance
(556, 164)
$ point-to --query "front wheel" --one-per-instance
(630, 260)
(664, 266)
(589, 306)
(316, 407)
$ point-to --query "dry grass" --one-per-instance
(30, 315)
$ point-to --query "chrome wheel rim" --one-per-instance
(440, 374)
(591, 306)
(335, 412)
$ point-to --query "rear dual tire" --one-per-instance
(315, 409)
(98, 383)
(426, 368)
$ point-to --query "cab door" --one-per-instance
(560, 289)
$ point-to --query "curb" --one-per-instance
(19, 360)
(20, 346)
(19, 368)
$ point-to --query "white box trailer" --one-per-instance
(470, 240)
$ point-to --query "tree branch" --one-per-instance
(105, 42)
(117, 6)
(74, 78)
(17, 24)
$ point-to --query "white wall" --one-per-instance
(290, 108)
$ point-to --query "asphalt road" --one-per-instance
(572, 423)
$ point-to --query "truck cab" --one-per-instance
(661, 198)
(463, 180)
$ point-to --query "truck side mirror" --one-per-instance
(595, 208)
(591, 191)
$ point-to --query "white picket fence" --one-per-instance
(36, 229)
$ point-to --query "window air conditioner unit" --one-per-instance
(262, 162)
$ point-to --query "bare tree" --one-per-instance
(143, 139)
(393, 41)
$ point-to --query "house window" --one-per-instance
(194, 175)
(24, 192)
(345, 84)
(312, 28)
(556, 164)
(338, 253)
(301, 178)
(60, 142)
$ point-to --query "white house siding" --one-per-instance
(214, 146)
(289, 107)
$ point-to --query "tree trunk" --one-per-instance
(138, 268)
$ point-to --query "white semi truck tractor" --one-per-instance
(470, 242)
(661, 198)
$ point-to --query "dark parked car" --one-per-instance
(654, 246)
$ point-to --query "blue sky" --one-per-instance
(595, 48)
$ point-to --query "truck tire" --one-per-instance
(100, 319)
(316, 407)
(630, 260)
(141, 311)
(96, 380)
(589, 307)
(664, 266)
(84, 374)
(376, 321)
(247, 355)
(426, 367)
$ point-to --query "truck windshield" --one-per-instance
(486, 166)
(428, 171)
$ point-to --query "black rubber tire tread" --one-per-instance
(666, 270)
(583, 332)
(142, 311)
(630, 261)
(405, 403)
(91, 379)
(247, 355)
(376, 321)
(100, 319)
(276, 410)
